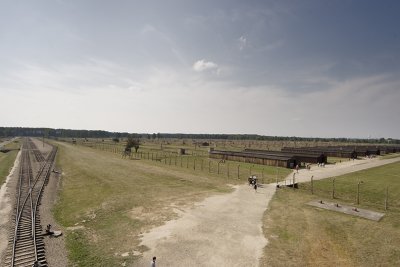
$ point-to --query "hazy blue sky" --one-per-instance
(304, 68)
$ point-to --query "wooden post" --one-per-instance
(194, 164)
(312, 185)
(218, 166)
(387, 197)
(187, 163)
(238, 172)
(333, 188)
(175, 160)
(228, 170)
(181, 161)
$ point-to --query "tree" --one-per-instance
(132, 142)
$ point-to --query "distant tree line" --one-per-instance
(68, 133)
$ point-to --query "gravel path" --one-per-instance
(56, 254)
(332, 170)
(225, 230)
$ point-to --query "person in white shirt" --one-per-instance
(153, 262)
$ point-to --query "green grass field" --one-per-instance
(116, 199)
(7, 160)
(300, 235)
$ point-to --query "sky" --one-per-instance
(306, 68)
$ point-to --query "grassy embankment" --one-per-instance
(195, 159)
(116, 199)
(300, 235)
(7, 160)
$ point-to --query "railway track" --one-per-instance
(26, 244)
(38, 155)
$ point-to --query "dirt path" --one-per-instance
(6, 204)
(225, 230)
(337, 169)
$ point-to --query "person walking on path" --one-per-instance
(153, 262)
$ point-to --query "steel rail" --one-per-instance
(31, 193)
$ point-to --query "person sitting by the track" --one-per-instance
(48, 230)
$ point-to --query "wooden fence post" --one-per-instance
(238, 172)
(228, 170)
(194, 164)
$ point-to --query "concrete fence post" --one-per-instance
(312, 185)
(262, 175)
(294, 175)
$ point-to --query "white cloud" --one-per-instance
(202, 65)
(242, 42)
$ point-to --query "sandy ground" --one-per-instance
(225, 230)
(6, 203)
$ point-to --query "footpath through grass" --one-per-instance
(7, 160)
(110, 201)
(300, 235)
